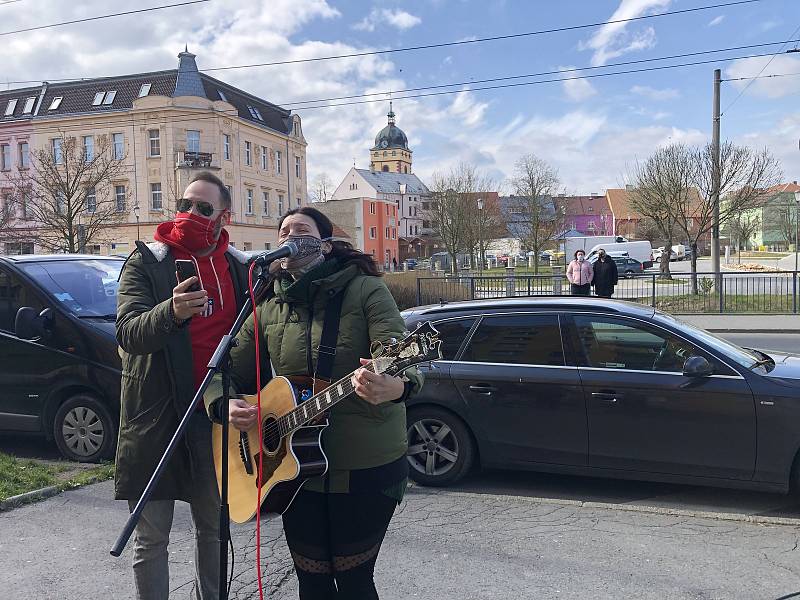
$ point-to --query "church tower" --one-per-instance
(390, 153)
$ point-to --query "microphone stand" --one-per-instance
(220, 362)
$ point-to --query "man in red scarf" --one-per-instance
(167, 335)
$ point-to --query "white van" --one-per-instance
(641, 251)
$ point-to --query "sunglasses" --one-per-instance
(184, 205)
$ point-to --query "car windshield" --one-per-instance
(746, 358)
(86, 287)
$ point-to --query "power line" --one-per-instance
(762, 77)
(297, 103)
(193, 116)
(87, 19)
(769, 62)
(9, 2)
(438, 45)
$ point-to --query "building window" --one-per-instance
(373, 233)
(254, 113)
(88, 148)
(299, 202)
(264, 158)
(24, 155)
(297, 169)
(249, 194)
(222, 96)
(385, 168)
(5, 157)
(119, 146)
(388, 233)
(193, 141)
(248, 153)
(372, 208)
(28, 108)
(98, 98)
(145, 89)
(387, 209)
(265, 202)
(154, 137)
(278, 157)
(58, 154)
(247, 246)
(91, 200)
(61, 203)
(119, 194)
(226, 146)
(296, 129)
(109, 99)
(280, 204)
(267, 245)
(155, 197)
(55, 103)
(10, 107)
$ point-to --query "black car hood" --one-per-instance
(787, 366)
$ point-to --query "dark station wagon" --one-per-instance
(603, 388)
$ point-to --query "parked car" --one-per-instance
(60, 373)
(658, 253)
(602, 388)
(626, 266)
(411, 263)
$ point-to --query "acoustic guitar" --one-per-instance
(291, 428)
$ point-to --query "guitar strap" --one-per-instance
(330, 336)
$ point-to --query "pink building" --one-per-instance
(590, 215)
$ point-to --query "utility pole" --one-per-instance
(715, 266)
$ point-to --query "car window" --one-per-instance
(609, 343)
(452, 334)
(14, 294)
(517, 339)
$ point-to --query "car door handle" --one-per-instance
(483, 389)
(610, 397)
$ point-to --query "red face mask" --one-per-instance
(195, 232)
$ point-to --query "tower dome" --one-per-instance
(391, 136)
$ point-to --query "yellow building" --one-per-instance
(390, 153)
(167, 126)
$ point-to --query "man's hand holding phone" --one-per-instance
(188, 299)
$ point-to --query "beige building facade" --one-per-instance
(166, 127)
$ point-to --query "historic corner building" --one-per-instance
(166, 126)
(380, 208)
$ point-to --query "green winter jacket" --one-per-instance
(360, 435)
(157, 376)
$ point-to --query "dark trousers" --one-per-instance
(334, 540)
(581, 290)
(604, 291)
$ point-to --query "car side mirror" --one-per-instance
(697, 366)
(30, 325)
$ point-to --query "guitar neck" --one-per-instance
(307, 411)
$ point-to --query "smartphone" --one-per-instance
(185, 270)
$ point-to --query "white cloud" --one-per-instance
(781, 140)
(614, 39)
(656, 94)
(397, 18)
(576, 90)
(716, 21)
(766, 87)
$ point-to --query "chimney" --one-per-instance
(628, 187)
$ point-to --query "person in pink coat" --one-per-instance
(580, 274)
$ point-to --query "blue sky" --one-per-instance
(591, 130)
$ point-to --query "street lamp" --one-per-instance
(480, 236)
(136, 214)
(796, 227)
(402, 219)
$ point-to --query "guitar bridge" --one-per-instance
(244, 452)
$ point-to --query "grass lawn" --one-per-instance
(18, 476)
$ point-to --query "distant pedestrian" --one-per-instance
(605, 275)
(394, 263)
(580, 274)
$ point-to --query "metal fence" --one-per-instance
(734, 292)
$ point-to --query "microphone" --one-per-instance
(287, 249)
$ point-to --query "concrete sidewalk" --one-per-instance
(441, 544)
(728, 323)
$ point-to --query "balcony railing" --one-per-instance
(195, 160)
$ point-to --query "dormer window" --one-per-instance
(98, 98)
(254, 113)
(105, 98)
(28, 108)
(145, 89)
(10, 107)
(110, 97)
(56, 103)
(221, 96)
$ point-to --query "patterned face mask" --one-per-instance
(310, 254)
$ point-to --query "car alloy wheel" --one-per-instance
(440, 448)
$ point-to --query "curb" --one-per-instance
(656, 510)
(20, 499)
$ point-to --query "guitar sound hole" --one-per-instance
(272, 435)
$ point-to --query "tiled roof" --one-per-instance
(619, 200)
(389, 183)
(580, 205)
(78, 97)
(783, 188)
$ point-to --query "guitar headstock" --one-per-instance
(420, 346)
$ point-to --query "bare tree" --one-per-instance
(786, 222)
(533, 217)
(741, 228)
(67, 197)
(321, 188)
(661, 184)
(745, 175)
